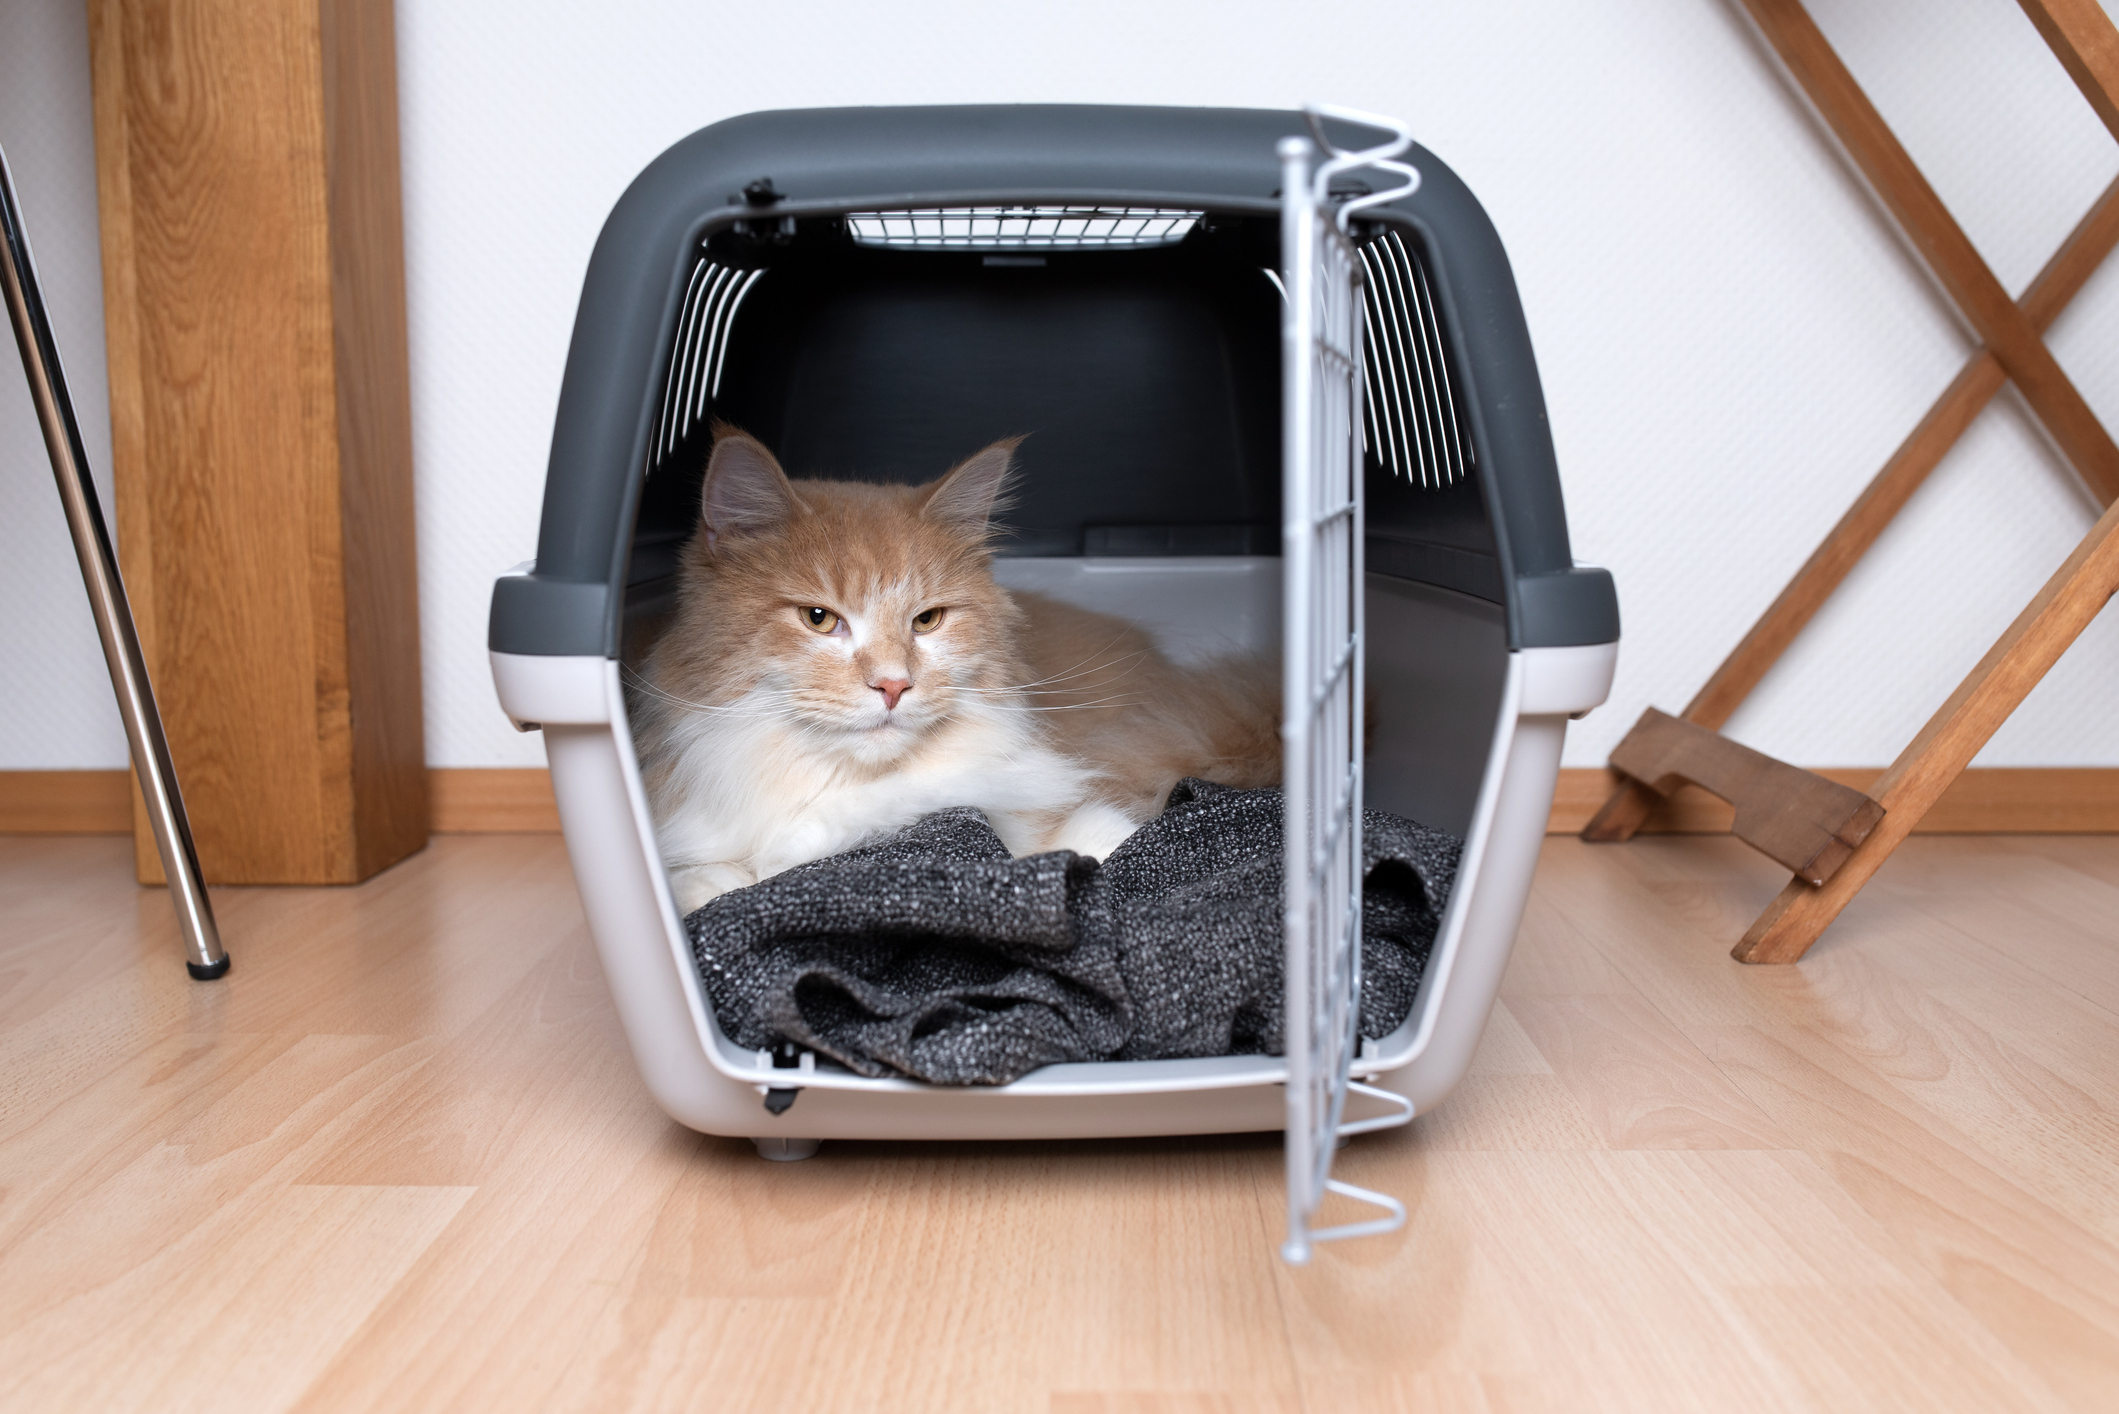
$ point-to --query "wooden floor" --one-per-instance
(399, 1161)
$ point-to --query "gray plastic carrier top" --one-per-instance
(1145, 375)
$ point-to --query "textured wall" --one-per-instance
(1732, 340)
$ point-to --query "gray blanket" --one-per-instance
(933, 954)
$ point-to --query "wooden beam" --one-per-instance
(1795, 817)
(1941, 244)
(254, 293)
(2075, 594)
(2083, 38)
(1878, 505)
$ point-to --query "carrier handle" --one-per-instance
(1342, 160)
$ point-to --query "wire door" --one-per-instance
(1324, 277)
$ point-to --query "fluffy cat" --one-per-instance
(842, 662)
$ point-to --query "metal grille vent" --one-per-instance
(1413, 427)
(701, 347)
(1044, 227)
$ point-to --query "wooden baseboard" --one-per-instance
(65, 802)
(2060, 800)
(461, 802)
(1986, 800)
(511, 801)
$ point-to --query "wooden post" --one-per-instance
(247, 165)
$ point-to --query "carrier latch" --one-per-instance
(788, 1056)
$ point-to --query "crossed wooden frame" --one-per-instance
(1832, 837)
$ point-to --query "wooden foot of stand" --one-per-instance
(1792, 816)
(1952, 737)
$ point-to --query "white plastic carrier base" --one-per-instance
(1466, 736)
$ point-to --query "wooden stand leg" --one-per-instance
(2084, 38)
(2053, 290)
(1952, 737)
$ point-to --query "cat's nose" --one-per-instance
(892, 689)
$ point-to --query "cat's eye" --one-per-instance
(927, 622)
(822, 620)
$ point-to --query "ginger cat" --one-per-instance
(842, 662)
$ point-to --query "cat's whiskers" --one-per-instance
(1080, 668)
(1055, 683)
(758, 702)
(761, 710)
(1069, 706)
(1035, 689)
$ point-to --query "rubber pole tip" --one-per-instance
(206, 972)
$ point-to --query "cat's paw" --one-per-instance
(695, 885)
(1094, 829)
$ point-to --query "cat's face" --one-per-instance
(864, 616)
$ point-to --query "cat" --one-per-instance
(842, 662)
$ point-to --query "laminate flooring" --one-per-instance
(399, 1160)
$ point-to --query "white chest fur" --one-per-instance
(745, 796)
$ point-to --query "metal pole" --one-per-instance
(106, 594)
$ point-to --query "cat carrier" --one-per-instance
(1279, 397)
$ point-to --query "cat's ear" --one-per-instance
(745, 490)
(974, 489)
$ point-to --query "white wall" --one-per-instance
(1732, 340)
(56, 708)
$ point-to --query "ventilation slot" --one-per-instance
(1042, 227)
(1413, 428)
(709, 311)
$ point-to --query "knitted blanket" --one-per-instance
(933, 954)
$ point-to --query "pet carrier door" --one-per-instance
(1324, 585)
